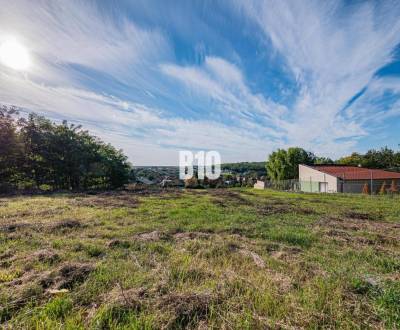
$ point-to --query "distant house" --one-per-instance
(145, 181)
(347, 179)
(259, 185)
(167, 182)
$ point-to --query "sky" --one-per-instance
(240, 77)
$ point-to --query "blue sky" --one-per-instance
(239, 77)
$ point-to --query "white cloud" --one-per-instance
(334, 53)
(144, 133)
(78, 32)
(379, 102)
(223, 82)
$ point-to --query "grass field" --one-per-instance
(233, 259)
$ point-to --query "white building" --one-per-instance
(348, 179)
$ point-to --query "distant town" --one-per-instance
(232, 175)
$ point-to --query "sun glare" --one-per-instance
(14, 55)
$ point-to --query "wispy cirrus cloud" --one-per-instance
(378, 102)
(224, 84)
(148, 135)
(333, 50)
(79, 32)
(151, 83)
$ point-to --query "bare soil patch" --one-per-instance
(286, 254)
(160, 192)
(222, 197)
(14, 226)
(71, 274)
(16, 229)
(187, 309)
(356, 225)
(45, 255)
(107, 200)
(35, 213)
(282, 208)
(68, 223)
(152, 236)
(183, 236)
(125, 299)
(179, 236)
(361, 215)
(36, 285)
(117, 243)
(64, 277)
(129, 199)
(347, 229)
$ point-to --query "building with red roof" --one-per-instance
(351, 179)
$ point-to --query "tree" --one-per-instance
(323, 160)
(355, 159)
(296, 156)
(384, 158)
(37, 136)
(62, 156)
(283, 165)
(277, 166)
(11, 153)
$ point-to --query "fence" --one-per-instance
(285, 185)
(372, 187)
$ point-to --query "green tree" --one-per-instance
(284, 164)
(323, 160)
(36, 134)
(384, 158)
(277, 166)
(11, 153)
(355, 159)
(296, 156)
(62, 156)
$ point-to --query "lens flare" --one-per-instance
(14, 55)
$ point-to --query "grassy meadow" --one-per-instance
(199, 259)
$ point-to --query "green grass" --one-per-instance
(235, 259)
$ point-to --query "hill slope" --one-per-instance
(218, 258)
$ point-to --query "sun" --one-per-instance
(14, 55)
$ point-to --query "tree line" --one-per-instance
(284, 164)
(36, 153)
(245, 168)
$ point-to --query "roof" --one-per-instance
(145, 180)
(356, 173)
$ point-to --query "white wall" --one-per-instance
(307, 174)
(259, 185)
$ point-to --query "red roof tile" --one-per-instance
(356, 173)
